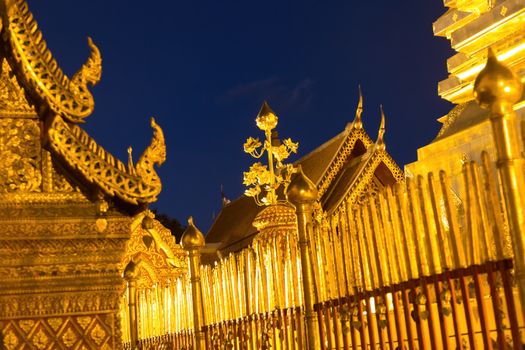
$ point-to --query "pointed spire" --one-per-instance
(131, 167)
(381, 133)
(225, 201)
(358, 123)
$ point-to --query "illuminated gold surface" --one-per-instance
(67, 249)
(64, 234)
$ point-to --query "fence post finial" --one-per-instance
(192, 241)
(302, 193)
(497, 88)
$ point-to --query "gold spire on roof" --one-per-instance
(358, 123)
(263, 181)
(381, 133)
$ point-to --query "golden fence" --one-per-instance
(416, 266)
(164, 315)
(420, 265)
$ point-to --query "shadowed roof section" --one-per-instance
(315, 163)
(462, 117)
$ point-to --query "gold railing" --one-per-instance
(164, 315)
(420, 265)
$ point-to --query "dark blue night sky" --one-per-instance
(203, 68)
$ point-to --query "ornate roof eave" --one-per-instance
(62, 102)
(42, 77)
(364, 173)
(152, 246)
(136, 185)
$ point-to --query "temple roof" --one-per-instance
(315, 163)
(341, 168)
(34, 87)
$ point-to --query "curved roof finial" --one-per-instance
(381, 133)
(358, 123)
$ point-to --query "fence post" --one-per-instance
(302, 193)
(130, 275)
(192, 241)
(497, 88)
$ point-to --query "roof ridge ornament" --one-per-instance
(358, 122)
(69, 98)
(380, 143)
(137, 184)
(263, 181)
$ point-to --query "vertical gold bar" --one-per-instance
(502, 239)
(400, 244)
(440, 220)
(486, 238)
(378, 233)
(363, 255)
(429, 226)
(470, 238)
(417, 230)
(390, 237)
(345, 250)
(370, 249)
(406, 230)
(354, 242)
(335, 267)
(456, 238)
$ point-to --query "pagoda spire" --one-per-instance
(380, 143)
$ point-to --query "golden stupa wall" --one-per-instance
(472, 26)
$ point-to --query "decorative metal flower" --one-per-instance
(263, 181)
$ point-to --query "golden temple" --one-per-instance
(339, 250)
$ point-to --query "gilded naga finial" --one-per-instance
(381, 133)
(358, 122)
(27, 50)
(154, 154)
(263, 181)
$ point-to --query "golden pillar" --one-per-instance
(497, 88)
(192, 241)
(302, 193)
(130, 275)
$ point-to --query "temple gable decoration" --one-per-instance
(36, 87)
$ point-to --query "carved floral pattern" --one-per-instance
(19, 155)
